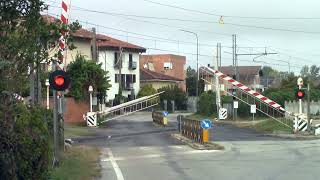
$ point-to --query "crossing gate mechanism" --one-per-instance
(250, 97)
(123, 109)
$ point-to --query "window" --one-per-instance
(167, 65)
(123, 78)
(130, 58)
(128, 78)
(116, 56)
(133, 78)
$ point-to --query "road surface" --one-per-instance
(136, 150)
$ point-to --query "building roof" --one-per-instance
(152, 55)
(147, 75)
(103, 41)
(243, 70)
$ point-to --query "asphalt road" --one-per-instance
(134, 149)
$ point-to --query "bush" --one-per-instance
(176, 94)
(146, 90)
(207, 103)
(25, 144)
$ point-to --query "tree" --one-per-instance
(191, 82)
(25, 38)
(84, 73)
(146, 90)
(176, 94)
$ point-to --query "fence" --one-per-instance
(192, 129)
(293, 106)
(159, 118)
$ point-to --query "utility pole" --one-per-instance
(235, 72)
(197, 82)
(94, 45)
(308, 107)
(56, 156)
(119, 63)
(216, 66)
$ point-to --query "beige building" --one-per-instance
(157, 80)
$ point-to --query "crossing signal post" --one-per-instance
(300, 93)
(59, 80)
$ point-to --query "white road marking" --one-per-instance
(160, 155)
(114, 164)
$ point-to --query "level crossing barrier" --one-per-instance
(248, 96)
(191, 129)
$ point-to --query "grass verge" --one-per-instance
(74, 131)
(200, 117)
(271, 126)
(79, 162)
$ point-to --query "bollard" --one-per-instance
(165, 121)
(205, 135)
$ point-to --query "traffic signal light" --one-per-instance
(59, 80)
(300, 94)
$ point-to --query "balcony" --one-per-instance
(127, 86)
(132, 65)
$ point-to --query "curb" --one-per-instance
(292, 137)
(198, 146)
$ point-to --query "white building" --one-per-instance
(111, 55)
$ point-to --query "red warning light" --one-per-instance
(59, 80)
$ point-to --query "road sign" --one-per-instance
(223, 113)
(235, 104)
(91, 119)
(253, 109)
(206, 124)
(165, 113)
(300, 81)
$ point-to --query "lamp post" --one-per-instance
(90, 92)
(47, 84)
(197, 82)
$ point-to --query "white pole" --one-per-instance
(300, 103)
(90, 89)
(216, 66)
(90, 101)
(48, 85)
(47, 97)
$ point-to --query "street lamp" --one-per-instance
(48, 85)
(197, 82)
(90, 91)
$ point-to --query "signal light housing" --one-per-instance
(300, 94)
(59, 80)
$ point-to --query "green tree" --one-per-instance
(207, 103)
(84, 73)
(176, 94)
(146, 90)
(191, 82)
(25, 38)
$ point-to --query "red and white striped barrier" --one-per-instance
(18, 97)
(62, 43)
(245, 88)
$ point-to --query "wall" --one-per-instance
(157, 85)
(106, 57)
(293, 106)
(178, 63)
(74, 110)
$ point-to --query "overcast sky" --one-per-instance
(164, 36)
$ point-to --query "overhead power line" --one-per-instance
(192, 20)
(151, 36)
(230, 16)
